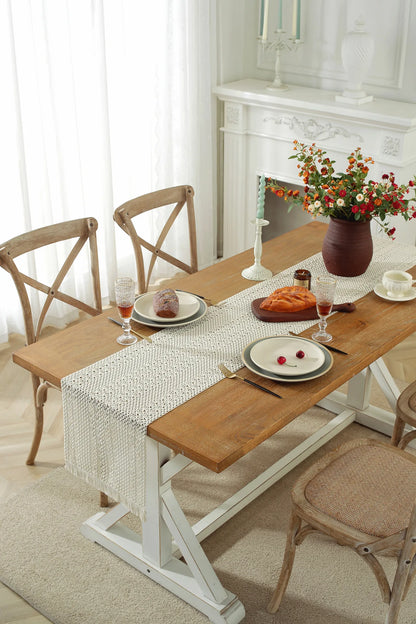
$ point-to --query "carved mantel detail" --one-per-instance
(312, 129)
(233, 115)
(391, 146)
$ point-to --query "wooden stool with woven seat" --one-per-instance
(362, 495)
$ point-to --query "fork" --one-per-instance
(208, 301)
(227, 373)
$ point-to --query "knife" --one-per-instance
(132, 330)
(324, 345)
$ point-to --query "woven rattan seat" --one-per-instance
(362, 495)
(359, 491)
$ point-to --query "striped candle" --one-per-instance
(260, 198)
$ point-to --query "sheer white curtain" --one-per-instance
(102, 101)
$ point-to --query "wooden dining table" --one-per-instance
(229, 419)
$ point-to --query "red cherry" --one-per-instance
(281, 359)
(300, 354)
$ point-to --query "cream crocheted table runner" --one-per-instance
(108, 405)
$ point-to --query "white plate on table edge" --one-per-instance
(265, 353)
(188, 306)
(161, 324)
(326, 366)
(382, 292)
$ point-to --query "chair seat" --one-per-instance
(412, 398)
(354, 489)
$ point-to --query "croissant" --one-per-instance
(289, 299)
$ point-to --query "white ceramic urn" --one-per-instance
(357, 54)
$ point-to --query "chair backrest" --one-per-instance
(123, 215)
(83, 230)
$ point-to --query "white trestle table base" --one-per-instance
(166, 529)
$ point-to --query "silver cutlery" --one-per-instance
(209, 301)
(331, 348)
(227, 373)
(133, 331)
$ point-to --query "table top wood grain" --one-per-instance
(229, 419)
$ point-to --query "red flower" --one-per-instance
(391, 232)
(355, 209)
(342, 193)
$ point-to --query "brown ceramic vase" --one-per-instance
(347, 248)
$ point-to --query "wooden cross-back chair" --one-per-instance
(82, 230)
(362, 495)
(124, 215)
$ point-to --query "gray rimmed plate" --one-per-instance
(201, 311)
(251, 365)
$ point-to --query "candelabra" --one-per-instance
(257, 272)
(279, 44)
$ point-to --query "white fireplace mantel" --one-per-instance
(260, 126)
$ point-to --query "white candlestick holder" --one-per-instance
(257, 272)
(280, 43)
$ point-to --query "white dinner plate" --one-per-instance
(266, 352)
(382, 292)
(324, 368)
(188, 306)
(202, 309)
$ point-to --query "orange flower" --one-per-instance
(377, 201)
(295, 193)
(280, 192)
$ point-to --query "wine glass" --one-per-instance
(324, 293)
(125, 288)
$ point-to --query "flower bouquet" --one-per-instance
(347, 196)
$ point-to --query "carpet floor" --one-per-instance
(46, 560)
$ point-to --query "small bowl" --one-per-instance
(397, 283)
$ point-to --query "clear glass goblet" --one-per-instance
(125, 290)
(324, 292)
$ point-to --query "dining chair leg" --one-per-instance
(403, 571)
(397, 595)
(39, 395)
(397, 431)
(287, 565)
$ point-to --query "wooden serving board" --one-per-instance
(309, 314)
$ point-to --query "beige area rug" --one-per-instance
(45, 559)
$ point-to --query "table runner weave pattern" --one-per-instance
(108, 405)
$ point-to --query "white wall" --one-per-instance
(318, 63)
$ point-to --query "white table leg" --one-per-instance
(194, 582)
